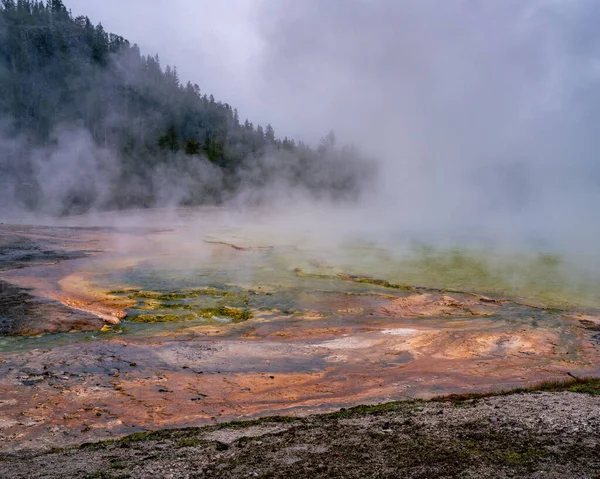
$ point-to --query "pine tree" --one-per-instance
(169, 141)
(270, 134)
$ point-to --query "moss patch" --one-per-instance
(176, 295)
(171, 306)
(159, 318)
(353, 278)
(377, 282)
(237, 315)
(576, 385)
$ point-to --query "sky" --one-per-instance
(481, 112)
(215, 44)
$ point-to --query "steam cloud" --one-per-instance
(482, 114)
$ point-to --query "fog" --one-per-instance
(481, 112)
(480, 115)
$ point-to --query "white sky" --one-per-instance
(212, 43)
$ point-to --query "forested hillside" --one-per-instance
(87, 120)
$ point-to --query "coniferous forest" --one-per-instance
(88, 121)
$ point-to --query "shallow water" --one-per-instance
(220, 322)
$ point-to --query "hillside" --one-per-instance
(88, 121)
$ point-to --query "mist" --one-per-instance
(478, 117)
(481, 113)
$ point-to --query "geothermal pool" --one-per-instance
(126, 322)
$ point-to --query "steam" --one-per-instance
(481, 114)
(73, 175)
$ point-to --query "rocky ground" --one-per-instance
(553, 432)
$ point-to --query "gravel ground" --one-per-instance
(535, 434)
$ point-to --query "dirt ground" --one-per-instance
(537, 435)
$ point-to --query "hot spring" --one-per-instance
(128, 321)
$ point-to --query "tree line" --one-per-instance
(56, 69)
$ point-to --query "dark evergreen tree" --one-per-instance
(270, 134)
(57, 71)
